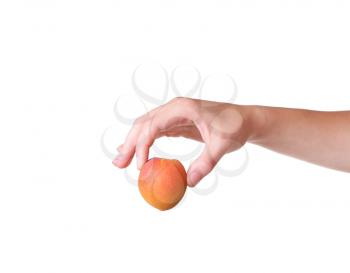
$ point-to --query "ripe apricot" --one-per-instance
(162, 182)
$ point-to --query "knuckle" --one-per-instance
(178, 100)
(137, 121)
(140, 121)
(187, 103)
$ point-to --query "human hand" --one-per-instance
(222, 127)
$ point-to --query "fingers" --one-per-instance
(170, 116)
(117, 160)
(142, 150)
(203, 165)
(148, 137)
(127, 149)
(123, 160)
(178, 112)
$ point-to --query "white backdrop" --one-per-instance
(65, 208)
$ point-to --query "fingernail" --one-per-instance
(118, 159)
(194, 178)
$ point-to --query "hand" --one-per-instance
(222, 127)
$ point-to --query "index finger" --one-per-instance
(179, 112)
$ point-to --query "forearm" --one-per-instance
(319, 137)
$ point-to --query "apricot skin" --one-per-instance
(162, 182)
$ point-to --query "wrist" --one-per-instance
(255, 119)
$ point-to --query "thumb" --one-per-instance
(202, 166)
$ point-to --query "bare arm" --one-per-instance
(318, 137)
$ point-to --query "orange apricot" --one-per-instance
(162, 182)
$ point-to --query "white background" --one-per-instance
(65, 208)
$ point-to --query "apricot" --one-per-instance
(162, 182)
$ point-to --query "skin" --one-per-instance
(322, 138)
